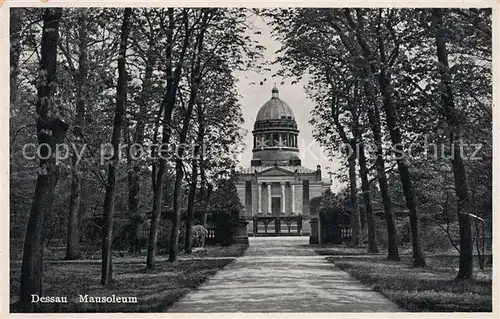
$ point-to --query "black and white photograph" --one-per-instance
(250, 160)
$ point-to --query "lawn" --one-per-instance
(156, 290)
(347, 250)
(218, 251)
(94, 253)
(421, 289)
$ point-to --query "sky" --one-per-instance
(253, 96)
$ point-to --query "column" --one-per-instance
(259, 203)
(293, 198)
(282, 198)
(269, 212)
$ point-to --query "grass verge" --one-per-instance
(235, 250)
(156, 290)
(431, 288)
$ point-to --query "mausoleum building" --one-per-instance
(276, 189)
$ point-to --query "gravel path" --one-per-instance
(282, 274)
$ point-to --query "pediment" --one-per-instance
(275, 171)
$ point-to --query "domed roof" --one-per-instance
(274, 109)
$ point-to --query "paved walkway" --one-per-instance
(281, 274)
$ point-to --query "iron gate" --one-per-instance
(277, 226)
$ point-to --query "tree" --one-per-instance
(195, 78)
(91, 39)
(147, 30)
(368, 45)
(225, 197)
(218, 132)
(80, 77)
(363, 172)
(167, 105)
(16, 23)
(351, 159)
(218, 127)
(453, 119)
(191, 199)
(379, 70)
(109, 200)
(374, 119)
(219, 51)
(51, 129)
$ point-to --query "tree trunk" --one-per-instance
(179, 175)
(404, 173)
(155, 219)
(133, 207)
(203, 177)
(465, 270)
(73, 236)
(353, 190)
(369, 218)
(374, 119)
(109, 200)
(133, 174)
(190, 211)
(158, 174)
(367, 199)
(204, 194)
(351, 162)
(197, 161)
(50, 130)
(157, 193)
(395, 133)
(392, 235)
(16, 22)
(174, 235)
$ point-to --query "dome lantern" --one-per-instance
(275, 92)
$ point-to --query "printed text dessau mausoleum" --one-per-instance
(276, 189)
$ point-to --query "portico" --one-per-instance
(275, 199)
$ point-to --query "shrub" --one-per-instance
(126, 234)
(198, 235)
(330, 221)
(436, 239)
(164, 230)
(402, 230)
(226, 226)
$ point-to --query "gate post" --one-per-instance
(241, 234)
(299, 225)
(255, 226)
(314, 237)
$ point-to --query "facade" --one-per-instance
(276, 190)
